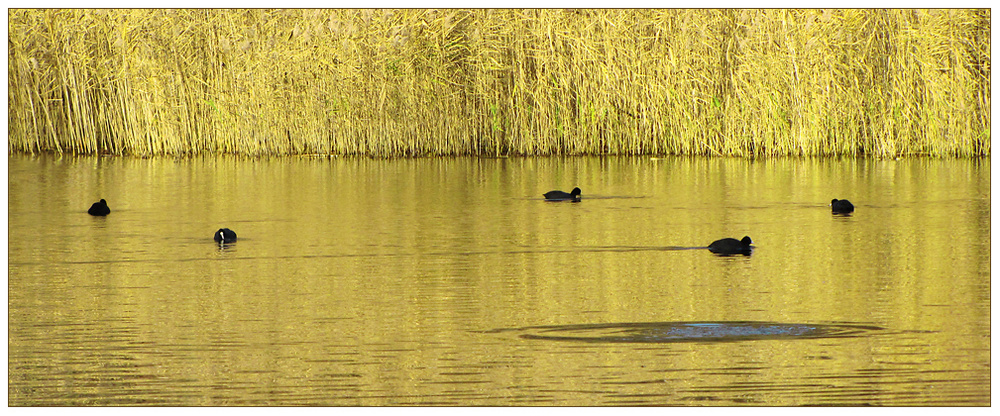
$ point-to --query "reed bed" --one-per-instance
(391, 83)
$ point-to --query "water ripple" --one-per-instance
(667, 332)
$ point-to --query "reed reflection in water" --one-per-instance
(411, 282)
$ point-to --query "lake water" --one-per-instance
(450, 281)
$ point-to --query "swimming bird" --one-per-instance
(99, 209)
(225, 235)
(562, 196)
(842, 206)
(730, 246)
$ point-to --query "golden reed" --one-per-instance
(388, 83)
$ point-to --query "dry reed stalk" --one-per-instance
(388, 83)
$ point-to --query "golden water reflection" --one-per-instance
(398, 282)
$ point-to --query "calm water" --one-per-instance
(451, 282)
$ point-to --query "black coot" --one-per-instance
(100, 208)
(225, 235)
(842, 206)
(729, 246)
(562, 196)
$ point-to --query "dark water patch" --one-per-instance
(614, 197)
(670, 332)
(643, 248)
(585, 197)
(231, 247)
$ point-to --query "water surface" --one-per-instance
(452, 282)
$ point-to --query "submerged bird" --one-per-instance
(729, 246)
(842, 206)
(100, 208)
(225, 235)
(562, 196)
